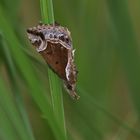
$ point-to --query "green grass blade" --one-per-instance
(47, 11)
(55, 86)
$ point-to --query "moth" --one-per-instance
(54, 43)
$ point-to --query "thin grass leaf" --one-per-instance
(56, 91)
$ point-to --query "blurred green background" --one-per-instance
(106, 38)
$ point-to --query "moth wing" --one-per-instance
(56, 57)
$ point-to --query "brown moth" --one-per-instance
(54, 43)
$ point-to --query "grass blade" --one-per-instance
(56, 92)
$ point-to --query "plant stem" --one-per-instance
(55, 87)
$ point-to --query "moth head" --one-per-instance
(36, 39)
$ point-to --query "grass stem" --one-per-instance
(55, 86)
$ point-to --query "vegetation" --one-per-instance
(33, 103)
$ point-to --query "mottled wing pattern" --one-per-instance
(56, 57)
(54, 43)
